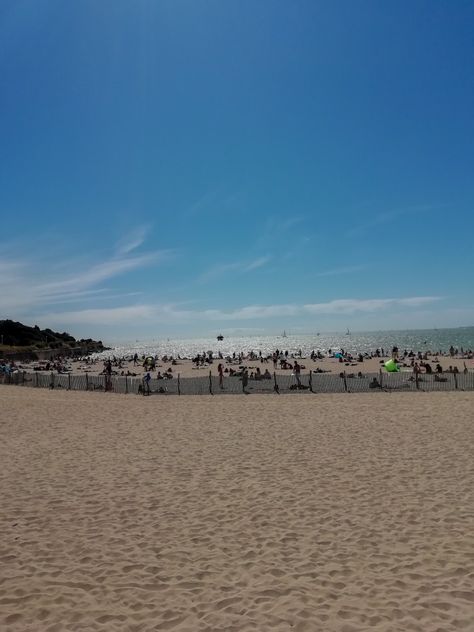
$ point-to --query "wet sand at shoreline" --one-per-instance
(335, 513)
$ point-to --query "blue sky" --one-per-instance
(190, 167)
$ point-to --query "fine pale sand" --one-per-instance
(286, 513)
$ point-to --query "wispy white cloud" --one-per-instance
(342, 270)
(253, 311)
(108, 316)
(339, 306)
(257, 263)
(133, 240)
(211, 202)
(97, 295)
(169, 313)
(351, 306)
(276, 230)
(385, 217)
(31, 283)
(220, 270)
(100, 272)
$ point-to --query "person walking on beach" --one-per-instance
(220, 370)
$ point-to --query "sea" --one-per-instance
(436, 340)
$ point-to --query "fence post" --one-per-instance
(87, 382)
(68, 381)
(381, 378)
(179, 385)
(210, 382)
(310, 380)
(126, 385)
(417, 380)
(51, 385)
(23, 378)
(455, 381)
(345, 381)
(36, 379)
(275, 383)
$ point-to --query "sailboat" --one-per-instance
(283, 335)
(348, 333)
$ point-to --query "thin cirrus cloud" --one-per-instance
(101, 272)
(22, 289)
(351, 306)
(385, 217)
(342, 270)
(220, 270)
(339, 306)
(172, 314)
(204, 202)
(212, 202)
(275, 230)
(133, 240)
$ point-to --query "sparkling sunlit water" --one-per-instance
(418, 340)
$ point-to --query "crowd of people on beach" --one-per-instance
(58, 365)
(248, 365)
(242, 365)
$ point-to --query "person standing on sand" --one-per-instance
(245, 380)
(146, 383)
(297, 371)
(220, 370)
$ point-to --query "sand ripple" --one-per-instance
(332, 513)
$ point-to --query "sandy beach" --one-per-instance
(186, 368)
(272, 513)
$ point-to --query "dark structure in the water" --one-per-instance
(220, 337)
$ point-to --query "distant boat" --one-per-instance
(283, 335)
(318, 334)
(220, 337)
(348, 333)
